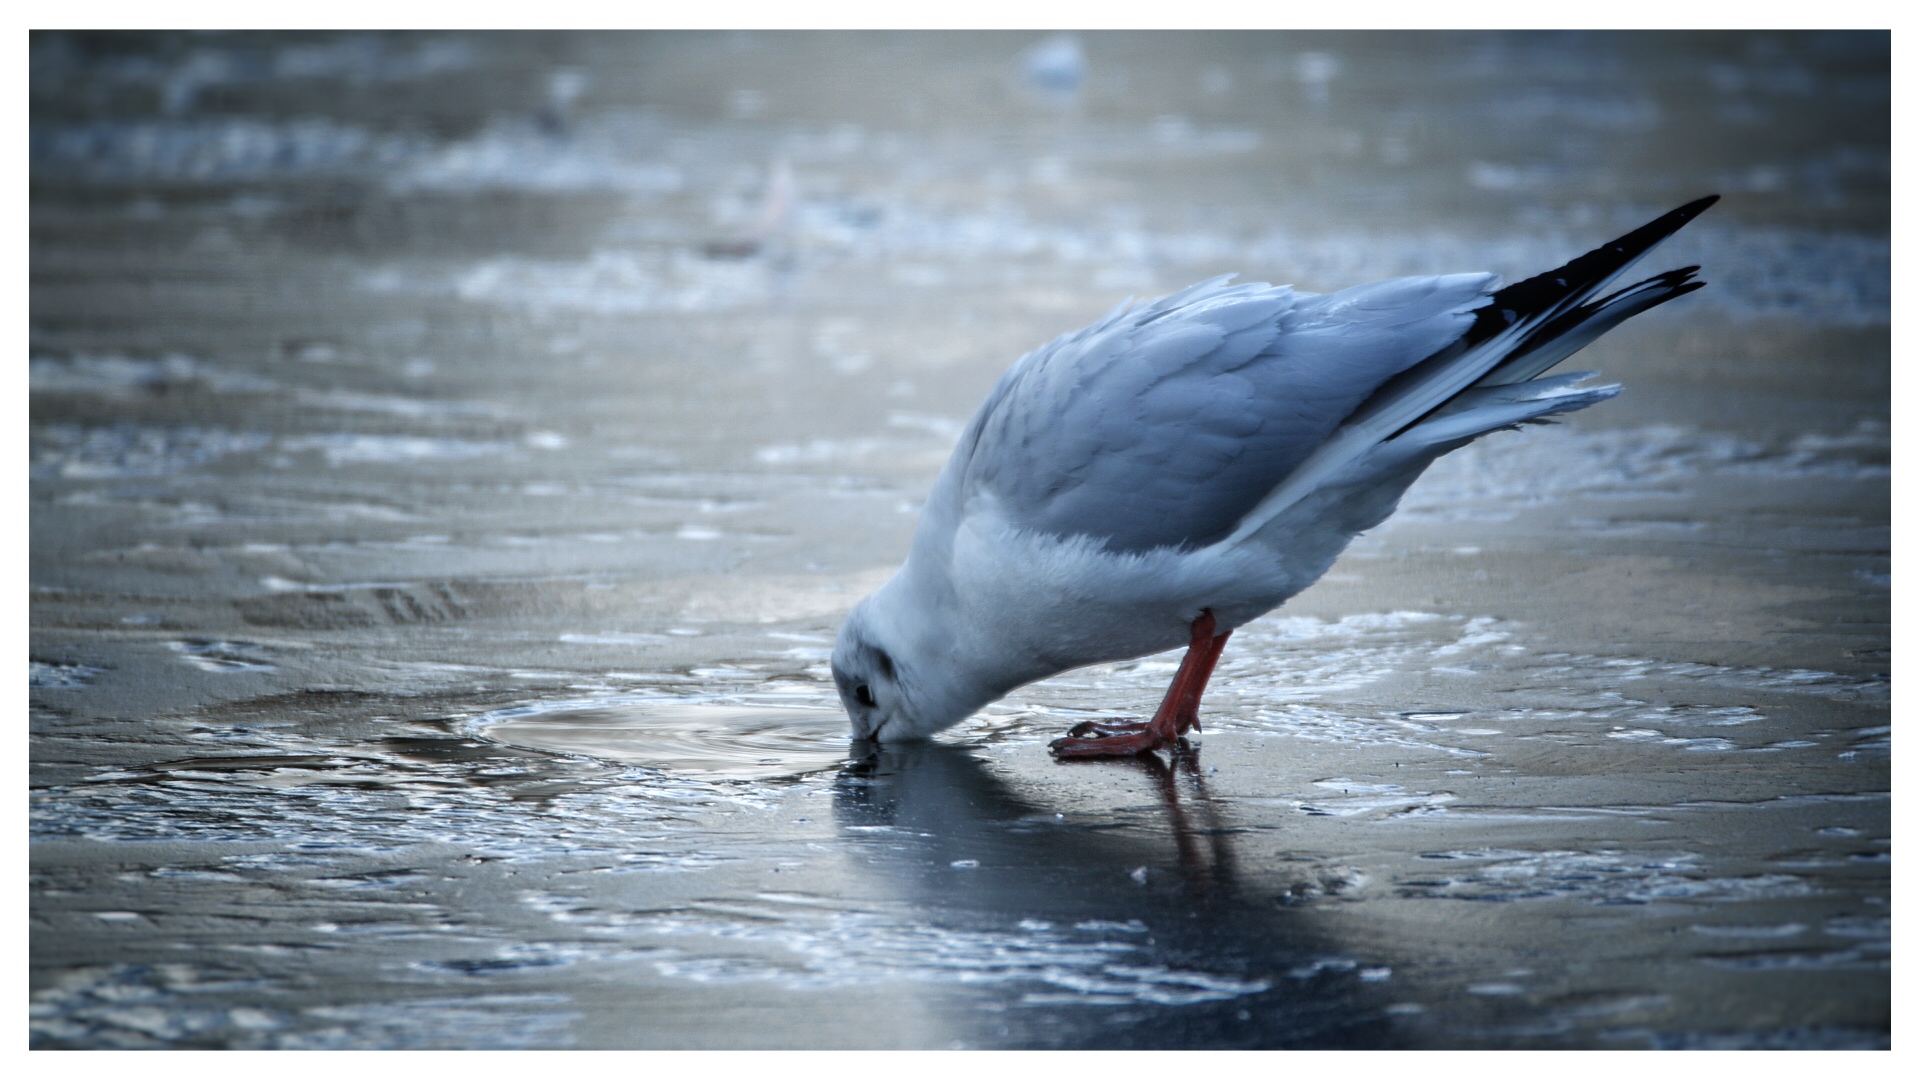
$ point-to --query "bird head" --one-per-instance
(873, 685)
(895, 687)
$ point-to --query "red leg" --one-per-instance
(1179, 711)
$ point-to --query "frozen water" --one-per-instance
(450, 457)
(705, 739)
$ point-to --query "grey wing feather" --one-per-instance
(1164, 424)
(1525, 329)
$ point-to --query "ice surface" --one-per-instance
(451, 456)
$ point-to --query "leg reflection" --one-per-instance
(1202, 843)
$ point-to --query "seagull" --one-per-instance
(1186, 465)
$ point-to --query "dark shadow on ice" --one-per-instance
(1228, 963)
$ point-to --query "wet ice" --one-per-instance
(703, 738)
(434, 557)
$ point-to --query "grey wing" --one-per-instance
(1164, 424)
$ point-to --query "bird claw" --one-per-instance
(1179, 712)
(1103, 729)
(1127, 739)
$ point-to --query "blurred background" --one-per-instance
(451, 455)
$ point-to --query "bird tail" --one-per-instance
(1580, 327)
(1473, 386)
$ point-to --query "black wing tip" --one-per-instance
(1644, 237)
(1674, 282)
(1545, 291)
(1681, 278)
(1693, 209)
(1665, 225)
(1675, 287)
(1668, 277)
(1674, 220)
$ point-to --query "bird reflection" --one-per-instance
(948, 799)
(1160, 880)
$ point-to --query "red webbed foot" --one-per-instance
(1101, 729)
(1143, 739)
(1179, 711)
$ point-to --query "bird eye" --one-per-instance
(864, 695)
